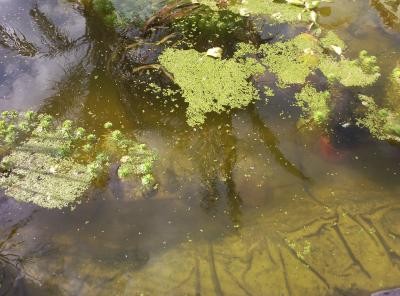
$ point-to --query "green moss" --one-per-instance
(314, 104)
(292, 61)
(208, 84)
(384, 124)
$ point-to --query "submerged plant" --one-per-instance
(53, 165)
(106, 11)
(384, 124)
(293, 60)
(135, 159)
(279, 11)
(360, 72)
(393, 89)
(39, 171)
(314, 104)
(208, 84)
(333, 42)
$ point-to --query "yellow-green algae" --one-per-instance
(393, 89)
(56, 164)
(360, 72)
(214, 85)
(35, 172)
(280, 12)
(332, 39)
(208, 84)
(293, 60)
(268, 92)
(135, 158)
(383, 123)
(209, 25)
(314, 104)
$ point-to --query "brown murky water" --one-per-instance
(246, 205)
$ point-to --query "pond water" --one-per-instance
(246, 204)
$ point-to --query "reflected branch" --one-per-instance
(271, 141)
(16, 41)
(55, 39)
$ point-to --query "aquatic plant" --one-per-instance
(332, 41)
(293, 60)
(106, 11)
(208, 26)
(208, 84)
(135, 159)
(268, 92)
(53, 165)
(314, 104)
(393, 89)
(383, 123)
(39, 171)
(359, 72)
(14, 126)
(279, 11)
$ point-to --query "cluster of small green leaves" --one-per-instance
(106, 11)
(14, 125)
(362, 72)
(208, 26)
(52, 164)
(134, 158)
(384, 124)
(314, 104)
(209, 84)
(292, 61)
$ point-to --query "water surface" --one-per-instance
(246, 204)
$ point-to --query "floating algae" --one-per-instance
(314, 104)
(360, 72)
(384, 124)
(208, 84)
(135, 158)
(293, 60)
(280, 12)
(215, 85)
(55, 165)
(35, 172)
(393, 89)
(330, 39)
(208, 26)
